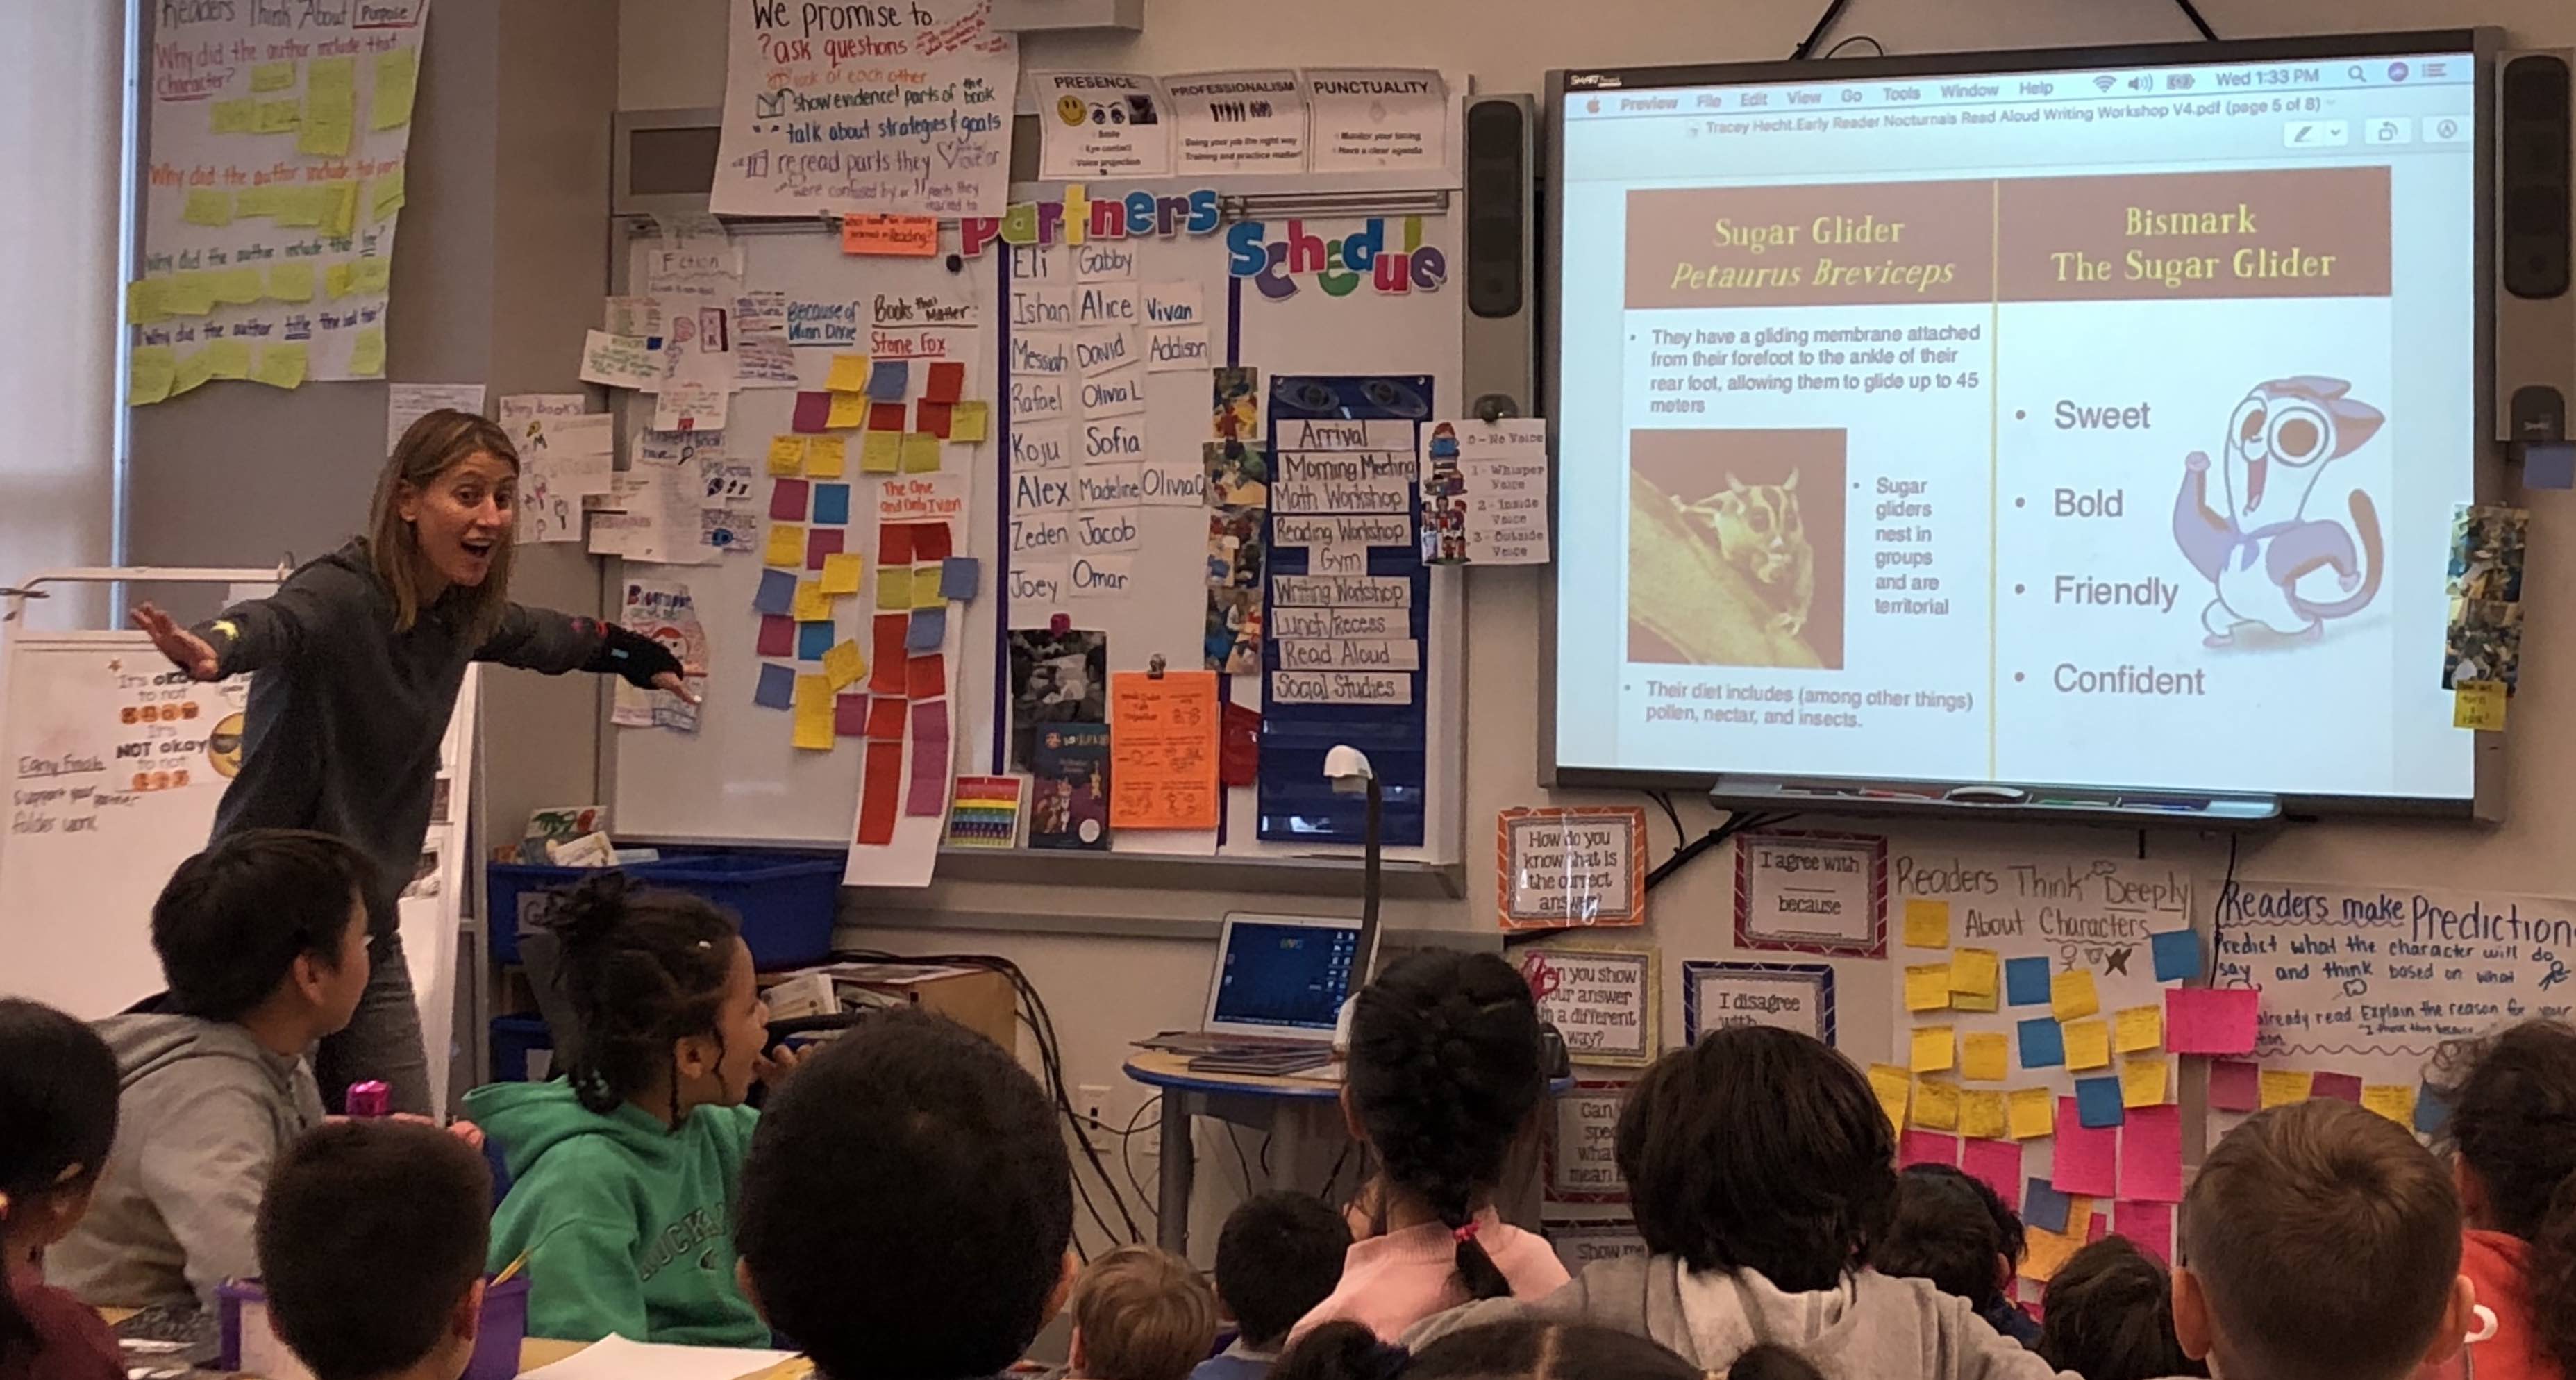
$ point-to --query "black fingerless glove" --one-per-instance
(632, 655)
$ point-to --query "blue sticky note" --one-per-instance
(814, 639)
(831, 503)
(2177, 955)
(888, 380)
(777, 593)
(777, 688)
(2431, 1112)
(928, 627)
(2026, 981)
(960, 577)
(2042, 1206)
(2097, 1102)
(2043, 1046)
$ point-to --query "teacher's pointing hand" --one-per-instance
(186, 650)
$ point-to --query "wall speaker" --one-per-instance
(1501, 331)
(2535, 314)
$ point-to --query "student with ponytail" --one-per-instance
(625, 1172)
(57, 1119)
(1444, 1075)
(2512, 1138)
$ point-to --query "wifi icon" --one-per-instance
(2104, 82)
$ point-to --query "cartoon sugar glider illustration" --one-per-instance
(2258, 549)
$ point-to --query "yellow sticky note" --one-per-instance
(371, 274)
(842, 572)
(330, 121)
(2088, 1044)
(1985, 1056)
(282, 365)
(881, 452)
(2032, 1112)
(970, 421)
(2395, 1101)
(894, 589)
(1934, 1048)
(2134, 1028)
(240, 116)
(331, 74)
(190, 375)
(1973, 972)
(143, 302)
(236, 287)
(291, 282)
(1936, 1105)
(339, 204)
(1927, 987)
(1894, 1087)
(273, 76)
(280, 117)
(849, 375)
(2478, 704)
(2046, 1252)
(786, 545)
(2281, 1087)
(812, 691)
(397, 78)
(827, 456)
(227, 358)
(367, 352)
(1927, 924)
(188, 294)
(2142, 1080)
(2079, 1215)
(848, 410)
(1981, 1115)
(384, 195)
(266, 200)
(925, 588)
(2071, 996)
(1971, 1001)
(302, 206)
(335, 280)
(843, 664)
(208, 206)
(786, 455)
(812, 731)
(812, 604)
(920, 452)
(148, 372)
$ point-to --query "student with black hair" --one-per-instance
(2512, 1141)
(908, 1205)
(1520, 1349)
(2109, 1316)
(1279, 1255)
(371, 1248)
(1444, 1074)
(1762, 1174)
(623, 1174)
(263, 942)
(57, 1120)
(1953, 1230)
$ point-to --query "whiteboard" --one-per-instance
(737, 780)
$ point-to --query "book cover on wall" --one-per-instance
(1069, 795)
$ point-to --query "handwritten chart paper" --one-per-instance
(1162, 750)
(278, 138)
(1812, 893)
(1601, 999)
(863, 109)
(1571, 866)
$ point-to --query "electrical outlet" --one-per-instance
(1092, 1100)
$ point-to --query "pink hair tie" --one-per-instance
(1465, 1234)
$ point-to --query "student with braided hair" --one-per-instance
(1445, 1073)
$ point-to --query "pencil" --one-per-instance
(514, 1267)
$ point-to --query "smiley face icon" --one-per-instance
(1069, 109)
(224, 746)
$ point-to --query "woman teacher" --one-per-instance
(359, 656)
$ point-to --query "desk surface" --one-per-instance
(1161, 1069)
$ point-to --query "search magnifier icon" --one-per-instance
(2353, 72)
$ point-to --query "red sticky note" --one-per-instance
(2097, 1227)
(2343, 1086)
(2202, 1020)
(887, 416)
(1998, 1162)
(824, 541)
(2235, 1085)
(2088, 1158)
(849, 716)
(1927, 1147)
(1238, 761)
(877, 799)
(787, 500)
(932, 417)
(932, 541)
(894, 544)
(886, 676)
(2149, 1226)
(2150, 1154)
(928, 677)
(777, 635)
(947, 383)
(885, 719)
(812, 411)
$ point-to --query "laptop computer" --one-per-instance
(1274, 993)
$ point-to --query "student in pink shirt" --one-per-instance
(2512, 1138)
(1445, 1072)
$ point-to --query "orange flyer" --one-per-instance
(1163, 750)
(908, 236)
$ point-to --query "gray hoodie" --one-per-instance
(204, 1112)
(1869, 1327)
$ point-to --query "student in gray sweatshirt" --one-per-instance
(359, 656)
(1761, 1171)
(263, 941)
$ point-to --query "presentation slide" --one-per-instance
(2090, 428)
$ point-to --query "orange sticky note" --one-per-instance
(914, 237)
(1163, 750)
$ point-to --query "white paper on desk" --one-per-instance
(614, 1358)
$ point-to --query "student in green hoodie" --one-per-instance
(624, 1173)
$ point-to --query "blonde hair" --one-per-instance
(1144, 1314)
(430, 447)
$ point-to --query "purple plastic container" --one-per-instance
(496, 1347)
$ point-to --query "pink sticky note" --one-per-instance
(2097, 1228)
(1998, 1162)
(2088, 1158)
(812, 410)
(2202, 1020)
(2150, 1226)
(1927, 1147)
(2343, 1086)
(777, 635)
(2235, 1085)
(2150, 1155)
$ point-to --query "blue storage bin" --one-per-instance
(514, 1038)
(786, 901)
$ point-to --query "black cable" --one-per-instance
(2192, 12)
(2218, 909)
(1335, 1176)
(1241, 1161)
(1876, 48)
(1265, 1155)
(1735, 824)
(1681, 836)
(1807, 46)
(1127, 1144)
